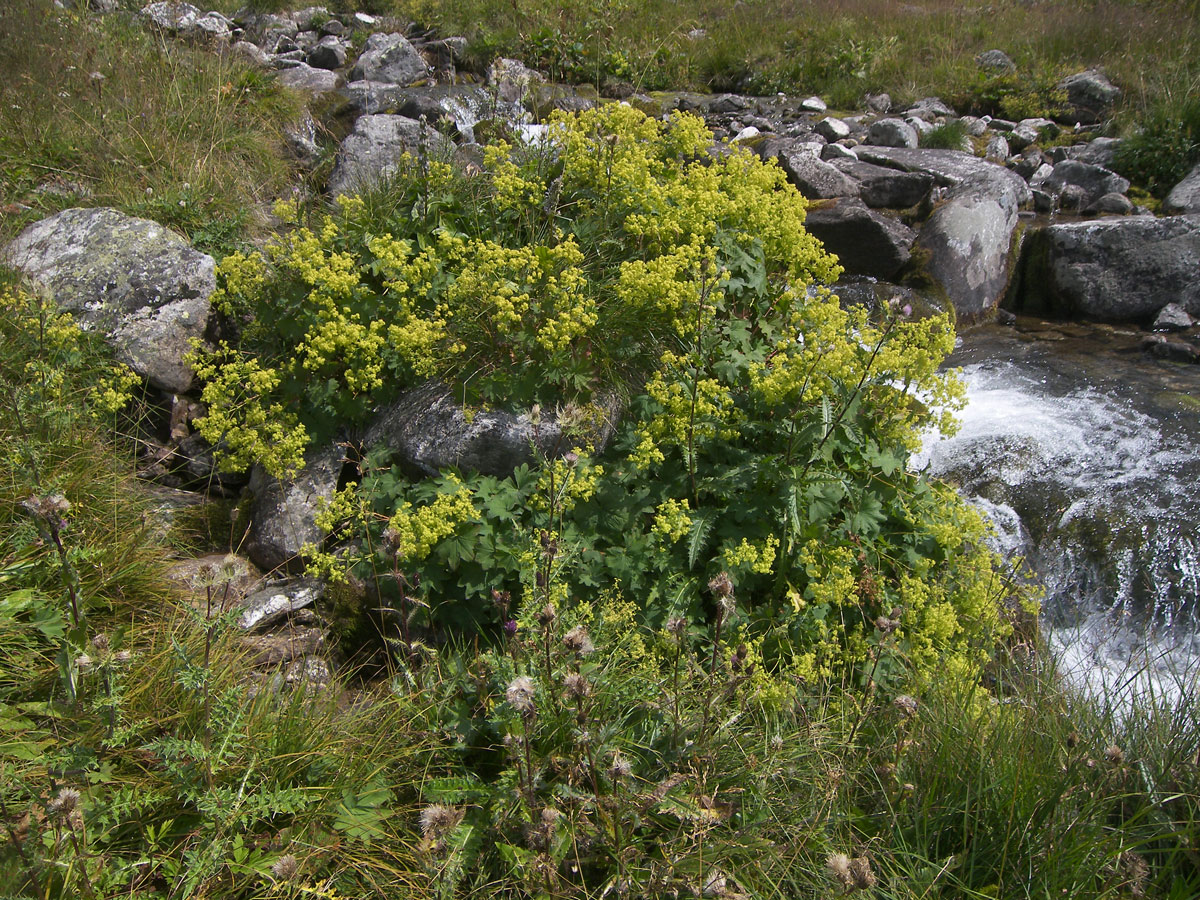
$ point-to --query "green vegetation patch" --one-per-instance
(99, 111)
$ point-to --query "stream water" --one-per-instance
(1085, 452)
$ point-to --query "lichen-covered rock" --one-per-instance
(995, 61)
(303, 77)
(272, 604)
(390, 58)
(1093, 181)
(1172, 317)
(892, 133)
(949, 168)
(329, 53)
(967, 241)
(1114, 270)
(374, 148)
(172, 16)
(882, 188)
(430, 431)
(140, 284)
(832, 129)
(283, 510)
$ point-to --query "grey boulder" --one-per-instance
(329, 53)
(1114, 270)
(142, 285)
(1172, 317)
(949, 168)
(883, 188)
(815, 179)
(375, 147)
(892, 133)
(429, 430)
(304, 77)
(967, 240)
(1185, 196)
(1093, 181)
(866, 243)
(995, 61)
(390, 58)
(1090, 97)
(283, 510)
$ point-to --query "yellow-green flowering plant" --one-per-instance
(768, 427)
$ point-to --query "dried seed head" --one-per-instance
(677, 626)
(1115, 755)
(546, 617)
(577, 686)
(438, 820)
(721, 585)
(520, 694)
(860, 873)
(64, 805)
(838, 867)
(286, 868)
(887, 626)
(578, 641)
(906, 704)
(620, 768)
(550, 815)
(100, 642)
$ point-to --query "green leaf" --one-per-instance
(702, 525)
(359, 814)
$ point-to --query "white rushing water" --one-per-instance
(1094, 482)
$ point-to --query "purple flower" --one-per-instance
(510, 627)
(907, 311)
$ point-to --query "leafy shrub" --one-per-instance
(766, 437)
(555, 273)
(1164, 149)
(950, 136)
(1014, 95)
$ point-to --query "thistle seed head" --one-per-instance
(721, 585)
(578, 641)
(577, 686)
(620, 768)
(520, 693)
(438, 820)
(838, 867)
(286, 868)
(906, 704)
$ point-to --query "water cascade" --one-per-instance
(1085, 453)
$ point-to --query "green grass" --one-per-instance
(98, 111)
(838, 48)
